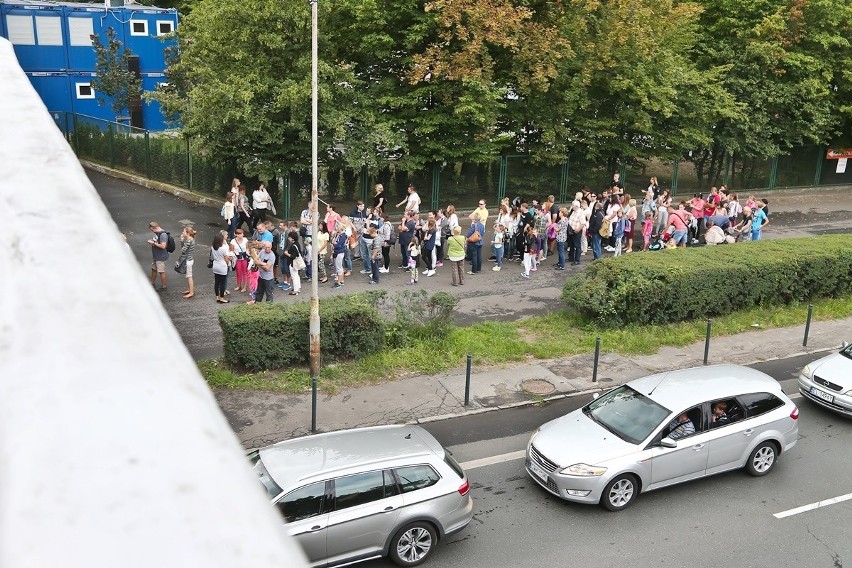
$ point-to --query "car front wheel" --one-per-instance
(620, 493)
(762, 459)
(413, 544)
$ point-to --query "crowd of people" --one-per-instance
(264, 257)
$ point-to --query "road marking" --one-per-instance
(812, 506)
(794, 396)
(473, 464)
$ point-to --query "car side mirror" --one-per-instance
(596, 396)
(668, 443)
(845, 345)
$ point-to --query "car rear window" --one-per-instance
(760, 402)
(414, 477)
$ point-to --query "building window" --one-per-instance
(49, 30)
(85, 91)
(138, 27)
(165, 27)
(80, 31)
(20, 30)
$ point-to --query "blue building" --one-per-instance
(53, 43)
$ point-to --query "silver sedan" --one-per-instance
(661, 430)
(828, 381)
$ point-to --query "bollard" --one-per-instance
(808, 324)
(467, 382)
(597, 358)
(707, 341)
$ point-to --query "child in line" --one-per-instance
(413, 259)
(497, 245)
(647, 229)
(618, 232)
(536, 254)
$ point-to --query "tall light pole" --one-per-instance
(314, 327)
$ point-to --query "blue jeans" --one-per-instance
(403, 249)
(755, 234)
(365, 252)
(498, 254)
(576, 244)
(596, 245)
(560, 251)
(347, 259)
(475, 253)
(374, 268)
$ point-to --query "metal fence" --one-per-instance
(183, 162)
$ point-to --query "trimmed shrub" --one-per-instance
(273, 336)
(696, 283)
(418, 315)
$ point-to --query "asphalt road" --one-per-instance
(726, 520)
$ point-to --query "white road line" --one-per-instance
(812, 506)
(473, 464)
(794, 396)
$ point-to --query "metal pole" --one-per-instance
(467, 382)
(597, 358)
(707, 341)
(147, 155)
(808, 324)
(314, 322)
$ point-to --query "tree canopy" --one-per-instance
(416, 82)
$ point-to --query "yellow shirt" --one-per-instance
(483, 214)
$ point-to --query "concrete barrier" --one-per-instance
(113, 451)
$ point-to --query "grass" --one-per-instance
(498, 343)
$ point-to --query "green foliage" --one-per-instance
(419, 316)
(114, 82)
(696, 283)
(275, 336)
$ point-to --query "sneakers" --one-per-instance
(496, 269)
(525, 275)
(469, 272)
(373, 281)
(560, 268)
(337, 285)
(384, 270)
(534, 268)
(609, 249)
(365, 272)
(439, 265)
(430, 273)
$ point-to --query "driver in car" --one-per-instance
(682, 427)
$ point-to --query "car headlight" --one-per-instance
(583, 470)
(534, 434)
(807, 372)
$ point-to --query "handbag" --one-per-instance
(475, 237)
(298, 263)
(210, 262)
(606, 228)
(180, 266)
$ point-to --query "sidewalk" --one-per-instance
(261, 418)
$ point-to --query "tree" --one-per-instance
(114, 81)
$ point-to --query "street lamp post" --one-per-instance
(314, 327)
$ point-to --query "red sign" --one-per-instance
(837, 154)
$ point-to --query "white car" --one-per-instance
(664, 429)
(828, 381)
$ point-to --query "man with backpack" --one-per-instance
(161, 245)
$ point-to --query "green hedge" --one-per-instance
(696, 283)
(273, 336)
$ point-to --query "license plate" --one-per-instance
(823, 395)
(540, 473)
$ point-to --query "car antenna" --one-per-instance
(408, 436)
(663, 378)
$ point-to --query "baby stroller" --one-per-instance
(658, 241)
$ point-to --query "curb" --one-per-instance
(573, 394)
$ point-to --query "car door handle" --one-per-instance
(316, 527)
(697, 447)
(748, 432)
(388, 509)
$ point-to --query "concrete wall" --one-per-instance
(113, 451)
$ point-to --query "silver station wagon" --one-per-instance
(366, 493)
(664, 429)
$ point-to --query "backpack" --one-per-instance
(393, 235)
(170, 243)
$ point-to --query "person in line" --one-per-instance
(618, 231)
(379, 201)
(429, 236)
(578, 224)
(406, 233)
(595, 223)
(234, 199)
(647, 230)
(385, 233)
(239, 247)
(376, 249)
(338, 249)
(455, 254)
(474, 244)
(413, 258)
(759, 221)
(243, 209)
(322, 251)
(187, 239)
(159, 254)
(412, 201)
(497, 245)
(292, 251)
(528, 250)
(261, 201)
(221, 257)
(682, 427)
(264, 260)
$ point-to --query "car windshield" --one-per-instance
(628, 414)
(847, 351)
(266, 480)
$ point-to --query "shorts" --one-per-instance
(680, 237)
(338, 264)
(189, 264)
(158, 266)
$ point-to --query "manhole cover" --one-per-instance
(537, 386)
